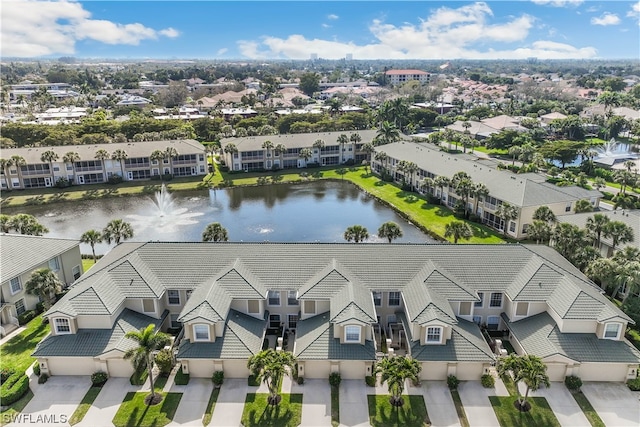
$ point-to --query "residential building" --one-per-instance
(37, 173)
(252, 156)
(56, 90)
(489, 126)
(333, 304)
(395, 77)
(526, 192)
(21, 255)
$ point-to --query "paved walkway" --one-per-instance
(193, 404)
(107, 403)
(12, 334)
(615, 403)
(228, 410)
(437, 397)
(477, 406)
(563, 404)
(354, 410)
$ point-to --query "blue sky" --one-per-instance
(547, 29)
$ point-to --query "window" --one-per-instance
(522, 309)
(274, 320)
(62, 326)
(568, 207)
(434, 334)
(477, 320)
(16, 286)
(525, 228)
(479, 303)
(512, 226)
(310, 307)
(148, 306)
(352, 333)
(274, 297)
(465, 309)
(492, 322)
(496, 300)
(292, 298)
(173, 297)
(20, 307)
(174, 321)
(394, 299)
(201, 332)
(612, 331)
(54, 264)
(76, 272)
(293, 321)
(377, 299)
(253, 306)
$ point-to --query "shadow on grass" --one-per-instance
(58, 197)
(380, 183)
(35, 200)
(151, 188)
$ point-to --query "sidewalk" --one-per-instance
(12, 334)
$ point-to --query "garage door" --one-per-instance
(614, 372)
(71, 366)
(556, 371)
(434, 371)
(469, 371)
(119, 368)
(235, 369)
(352, 369)
(201, 368)
(317, 368)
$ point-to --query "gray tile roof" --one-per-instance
(539, 335)
(94, 342)
(242, 338)
(210, 303)
(466, 344)
(315, 341)
(22, 254)
(521, 190)
(296, 140)
(629, 217)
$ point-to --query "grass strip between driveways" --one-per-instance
(208, 413)
(457, 402)
(85, 405)
(335, 406)
(540, 414)
(588, 410)
(134, 412)
(258, 413)
(412, 414)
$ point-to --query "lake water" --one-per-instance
(318, 211)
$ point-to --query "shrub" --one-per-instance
(370, 380)
(5, 374)
(14, 388)
(218, 378)
(26, 317)
(40, 307)
(138, 377)
(181, 378)
(452, 382)
(99, 378)
(43, 378)
(36, 368)
(164, 361)
(573, 383)
(335, 379)
(114, 179)
(634, 384)
(63, 183)
(300, 380)
(487, 381)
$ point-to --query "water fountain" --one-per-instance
(613, 152)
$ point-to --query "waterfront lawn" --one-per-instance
(135, 412)
(540, 414)
(258, 413)
(412, 414)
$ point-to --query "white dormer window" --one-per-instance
(434, 335)
(612, 331)
(62, 325)
(201, 332)
(352, 333)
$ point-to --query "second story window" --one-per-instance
(291, 298)
(394, 299)
(496, 300)
(612, 331)
(274, 297)
(16, 286)
(377, 298)
(173, 297)
(434, 334)
(54, 264)
(479, 303)
(62, 325)
(352, 333)
(201, 332)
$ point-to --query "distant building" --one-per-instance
(395, 77)
(56, 90)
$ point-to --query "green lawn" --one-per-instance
(540, 414)
(16, 353)
(87, 264)
(490, 151)
(335, 406)
(258, 413)
(15, 408)
(84, 405)
(462, 415)
(412, 414)
(588, 410)
(210, 407)
(134, 412)
(510, 385)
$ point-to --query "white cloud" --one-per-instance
(447, 33)
(222, 51)
(559, 3)
(326, 26)
(635, 12)
(36, 28)
(332, 16)
(606, 19)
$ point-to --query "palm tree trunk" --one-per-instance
(93, 249)
(150, 369)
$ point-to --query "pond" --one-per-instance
(318, 211)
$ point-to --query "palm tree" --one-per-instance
(382, 157)
(441, 182)
(171, 153)
(72, 157)
(268, 145)
(390, 231)
(157, 156)
(395, 371)
(583, 205)
(458, 230)
(5, 164)
(92, 237)
(388, 133)
(318, 144)
(18, 161)
(528, 368)
(49, 156)
(27, 224)
(45, 284)
(279, 149)
(478, 190)
(367, 148)
(103, 155)
(269, 367)
(540, 231)
(148, 341)
(568, 239)
(356, 233)
(117, 230)
(120, 155)
(463, 186)
(514, 152)
(215, 232)
(544, 213)
(342, 140)
(305, 154)
(627, 278)
(506, 212)
(618, 232)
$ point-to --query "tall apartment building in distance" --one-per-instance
(395, 77)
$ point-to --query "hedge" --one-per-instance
(14, 388)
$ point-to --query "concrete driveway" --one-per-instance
(107, 403)
(354, 409)
(477, 406)
(195, 397)
(442, 411)
(230, 404)
(316, 403)
(615, 403)
(563, 404)
(54, 401)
